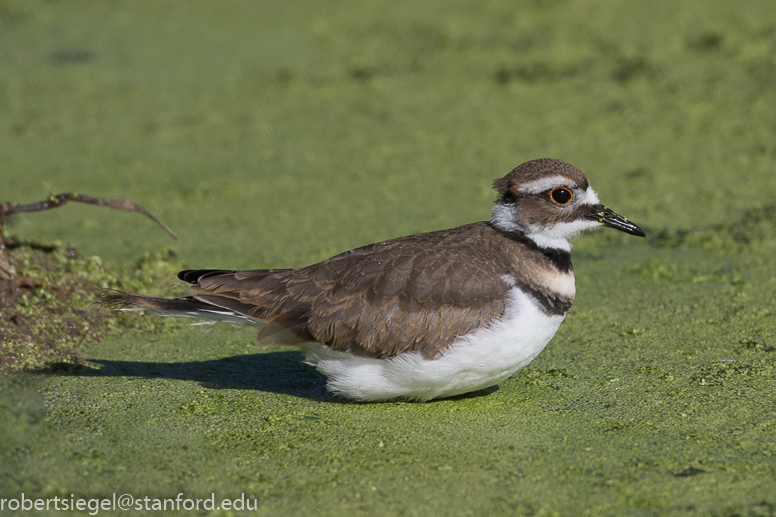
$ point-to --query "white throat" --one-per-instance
(505, 217)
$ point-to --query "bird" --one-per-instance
(426, 316)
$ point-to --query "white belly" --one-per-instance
(478, 360)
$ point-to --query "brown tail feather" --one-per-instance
(188, 307)
(119, 300)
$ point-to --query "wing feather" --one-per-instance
(416, 293)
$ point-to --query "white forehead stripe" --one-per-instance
(589, 197)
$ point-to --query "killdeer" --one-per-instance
(424, 316)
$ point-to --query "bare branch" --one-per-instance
(61, 199)
(8, 208)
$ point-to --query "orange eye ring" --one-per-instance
(561, 196)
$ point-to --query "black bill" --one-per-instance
(610, 218)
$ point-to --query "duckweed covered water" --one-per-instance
(279, 134)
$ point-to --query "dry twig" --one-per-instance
(7, 208)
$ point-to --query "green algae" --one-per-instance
(47, 310)
(274, 135)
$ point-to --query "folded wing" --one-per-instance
(416, 293)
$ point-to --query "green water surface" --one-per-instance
(275, 134)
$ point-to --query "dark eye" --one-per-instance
(561, 196)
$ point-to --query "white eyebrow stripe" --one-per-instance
(592, 197)
(545, 184)
(588, 197)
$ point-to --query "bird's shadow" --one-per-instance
(276, 372)
(281, 372)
